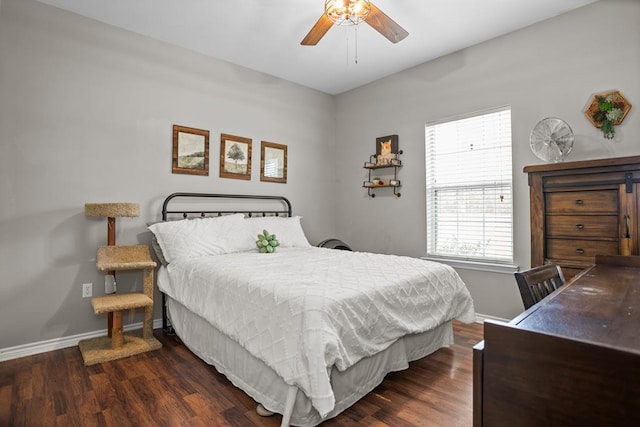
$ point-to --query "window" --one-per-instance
(469, 188)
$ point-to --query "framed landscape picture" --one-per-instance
(190, 151)
(235, 157)
(273, 162)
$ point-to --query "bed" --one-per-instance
(305, 331)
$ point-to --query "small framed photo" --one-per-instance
(273, 162)
(387, 144)
(190, 151)
(386, 149)
(235, 157)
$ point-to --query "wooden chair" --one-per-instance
(538, 282)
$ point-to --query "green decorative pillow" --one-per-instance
(266, 242)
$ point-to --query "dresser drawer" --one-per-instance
(580, 250)
(582, 226)
(601, 201)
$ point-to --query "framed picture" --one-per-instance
(190, 151)
(235, 157)
(386, 149)
(273, 162)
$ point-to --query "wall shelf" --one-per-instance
(393, 166)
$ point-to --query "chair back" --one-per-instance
(538, 282)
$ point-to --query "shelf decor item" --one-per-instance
(606, 110)
(386, 149)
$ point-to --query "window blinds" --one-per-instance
(469, 187)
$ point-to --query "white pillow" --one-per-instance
(190, 238)
(288, 232)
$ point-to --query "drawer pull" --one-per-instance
(579, 226)
(580, 251)
(580, 202)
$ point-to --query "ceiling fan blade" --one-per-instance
(318, 31)
(385, 25)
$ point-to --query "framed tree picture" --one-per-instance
(273, 162)
(235, 157)
(190, 151)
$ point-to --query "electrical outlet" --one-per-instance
(87, 290)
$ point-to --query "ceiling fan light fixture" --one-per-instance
(347, 12)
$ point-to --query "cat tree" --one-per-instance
(112, 258)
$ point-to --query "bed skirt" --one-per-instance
(260, 382)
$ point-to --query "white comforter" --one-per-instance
(303, 311)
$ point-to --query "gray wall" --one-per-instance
(86, 115)
(547, 70)
(86, 112)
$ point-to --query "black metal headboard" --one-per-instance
(249, 211)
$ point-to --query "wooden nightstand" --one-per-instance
(117, 344)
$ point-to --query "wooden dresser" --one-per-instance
(583, 209)
(573, 359)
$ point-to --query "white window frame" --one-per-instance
(502, 264)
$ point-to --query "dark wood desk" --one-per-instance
(572, 359)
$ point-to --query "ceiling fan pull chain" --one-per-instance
(356, 37)
(346, 32)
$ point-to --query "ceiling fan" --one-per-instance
(353, 12)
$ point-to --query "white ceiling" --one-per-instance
(265, 35)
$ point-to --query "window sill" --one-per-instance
(476, 265)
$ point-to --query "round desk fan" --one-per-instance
(551, 139)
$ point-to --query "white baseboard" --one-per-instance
(10, 353)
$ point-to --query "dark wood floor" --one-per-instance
(172, 387)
